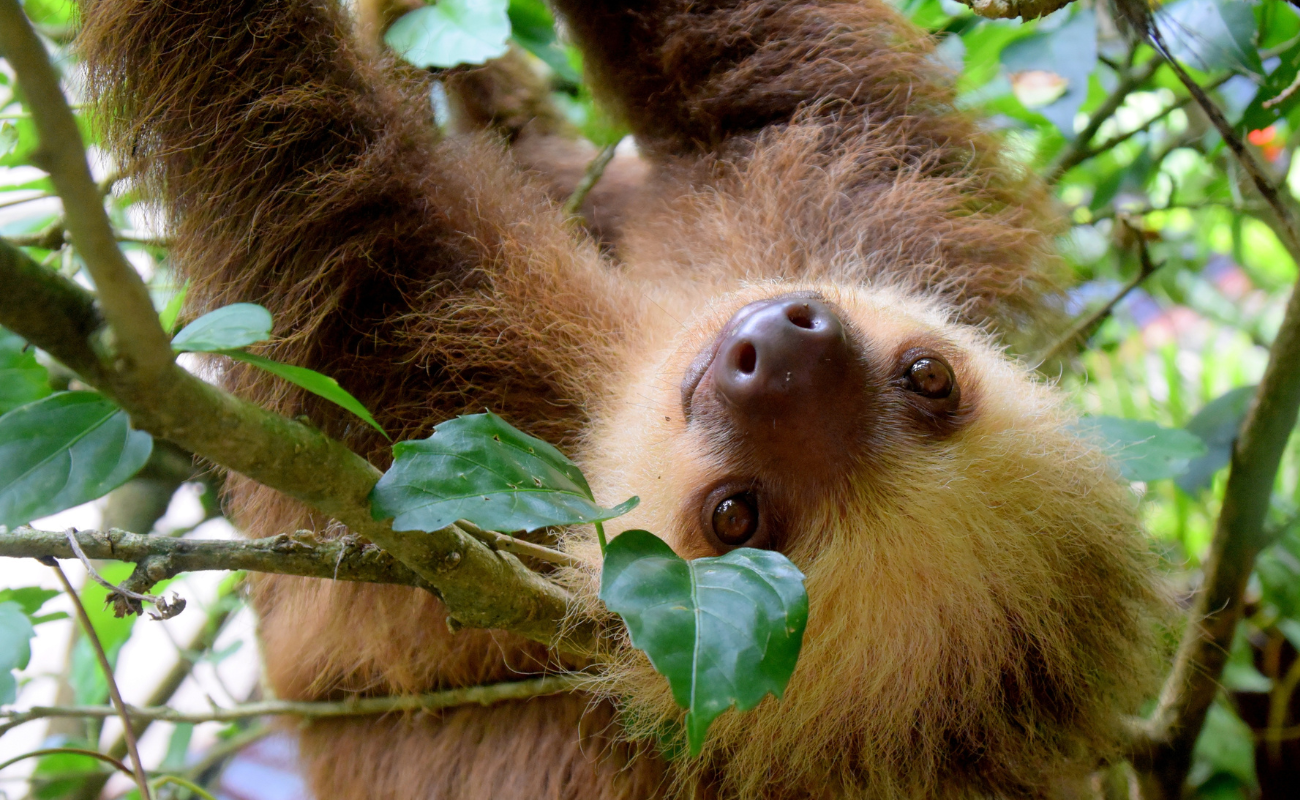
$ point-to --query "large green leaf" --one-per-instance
(1216, 424)
(22, 379)
(15, 648)
(1143, 450)
(63, 451)
(724, 631)
(228, 328)
(31, 598)
(477, 467)
(311, 380)
(452, 32)
(1211, 34)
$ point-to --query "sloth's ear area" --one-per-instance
(786, 381)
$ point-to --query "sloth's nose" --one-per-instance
(787, 363)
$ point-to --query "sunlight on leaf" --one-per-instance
(228, 328)
(452, 32)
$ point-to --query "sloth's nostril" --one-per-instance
(801, 316)
(746, 358)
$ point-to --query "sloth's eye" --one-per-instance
(930, 377)
(735, 519)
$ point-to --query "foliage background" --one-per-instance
(1135, 165)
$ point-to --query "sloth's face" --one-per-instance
(785, 403)
(974, 570)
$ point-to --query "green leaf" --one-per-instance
(1143, 450)
(30, 598)
(8, 138)
(724, 631)
(231, 327)
(1216, 424)
(477, 467)
(59, 776)
(170, 312)
(1256, 116)
(178, 747)
(1225, 746)
(452, 32)
(22, 379)
(50, 12)
(1068, 52)
(63, 451)
(311, 380)
(228, 328)
(533, 28)
(15, 648)
(1211, 34)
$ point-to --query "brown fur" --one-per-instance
(981, 602)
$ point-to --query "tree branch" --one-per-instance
(160, 557)
(1076, 152)
(138, 340)
(1163, 748)
(590, 177)
(1088, 322)
(1010, 9)
(482, 587)
(470, 695)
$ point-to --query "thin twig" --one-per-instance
(167, 607)
(185, 784)
(118, 707)
(1087, 323)
(1120, 138)
(1077, 150)
(54, 751)
(520, 547)
(56, 236)
(19, 201)
(226, 748)
(485, 695)
(573, 206)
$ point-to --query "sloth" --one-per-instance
(798, 338)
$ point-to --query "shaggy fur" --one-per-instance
(981, 603)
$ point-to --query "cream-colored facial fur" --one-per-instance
(975, 597)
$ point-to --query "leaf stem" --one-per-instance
(185, 784)
(600, 537)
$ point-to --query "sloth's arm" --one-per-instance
(295, 173)
(689, 76)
